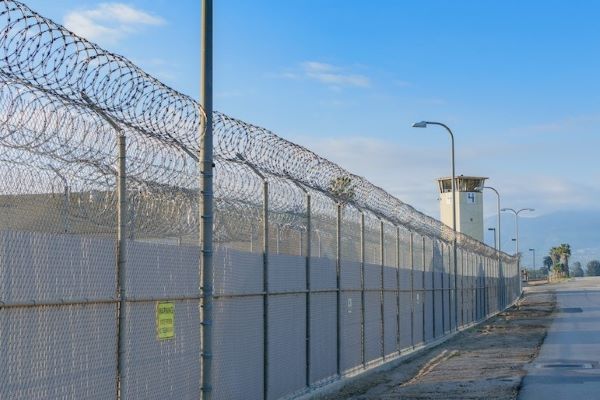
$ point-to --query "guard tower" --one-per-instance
(469, 204)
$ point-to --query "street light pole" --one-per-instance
(423, 124)
(517, 239)
(517, 221)
(498, 206)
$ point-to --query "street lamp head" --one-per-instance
(530, 209)
(421, 124)
(531, 249)
(504, 209)
(491, 229)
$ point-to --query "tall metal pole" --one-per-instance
(308, 286)
(382, 293)
(517, 238)
(206, 205)
(423, 124)
(499, 226)
(453, 224)
(121, 243)
(363, 257)
(265, 286)
(338, 292)
(517, 222)
(121, 260)
(398, 289)
(307, 278)
(499, 220)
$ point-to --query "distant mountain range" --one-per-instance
(580, 229)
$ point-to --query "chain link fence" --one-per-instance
(318, 274)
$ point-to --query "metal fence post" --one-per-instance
(362, 289)
(477, 286)
(487, 288)
(338, 270)
(122, 208)
(473, 288)
(424, 291)
(433, 285)
(265, 272)
(454, 251)
(307, 271)
(121, 262)
(412, 292)
(462, 287)
(476, 269)
(206, 206)
(449, 291)
(398, 289)
(308, 286)
(265, 287)
(483, 286)
(442, 290)
(382, 293)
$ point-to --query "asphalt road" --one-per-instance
(568, 365)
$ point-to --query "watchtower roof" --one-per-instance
(464, 183)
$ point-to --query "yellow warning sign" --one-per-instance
(165, 320)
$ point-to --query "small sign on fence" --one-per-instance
(165, 320)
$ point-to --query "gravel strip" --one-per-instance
(483, 362)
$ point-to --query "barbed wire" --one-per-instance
(46, 124)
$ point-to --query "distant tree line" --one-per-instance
(593, 268)
(556, 263)
(576, 270)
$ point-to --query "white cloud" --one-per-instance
(401, 83)
(109, 22)
(432, 102)
(409, 172)
(333, 76)
(580, 123)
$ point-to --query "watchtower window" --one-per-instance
(445, 185)
(468, 185)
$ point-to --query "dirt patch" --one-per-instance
(485, 361)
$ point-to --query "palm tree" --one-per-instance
(547, 265)
(555, 255)
(560, 258)
(565, 253)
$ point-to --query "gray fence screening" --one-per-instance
(318, 274)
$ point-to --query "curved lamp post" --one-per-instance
(517, 239)
(423, 124)
(499, 248)
(517, 221)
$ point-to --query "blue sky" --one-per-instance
(517, 81)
